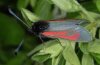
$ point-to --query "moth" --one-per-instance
(69, 29)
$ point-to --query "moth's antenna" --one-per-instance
(11, 12)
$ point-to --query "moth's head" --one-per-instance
(39, 26)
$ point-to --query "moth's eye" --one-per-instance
(42, 27)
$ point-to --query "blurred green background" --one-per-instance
(12, 32)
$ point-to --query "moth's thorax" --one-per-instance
(40, 26)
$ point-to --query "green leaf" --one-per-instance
(67, 63)
(97, 2)
(84, 47)
(96, 57)
(43, 10)
(87, 60)
(50, 1)
(3, 55)
(33, 3)
(62, 61)
(94, 47)
(66, 5)
(40, 57)
(38, 48)
(64, 42)
(59, 60)
(93, 32)
(22, 4)
(99, 33)
(72, 15)
(70, 55)
(11, 33)
(53, 49)
(91, 6)
(50, 49)
(96, 17)
(18, 60)
(48, 62)
(29, 15)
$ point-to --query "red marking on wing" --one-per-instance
(62, 34)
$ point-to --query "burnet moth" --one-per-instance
(67, 29)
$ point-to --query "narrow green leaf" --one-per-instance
(99, 34)
(22, 4)
(97, 2)
(86, 14)
(50, 49)
(53, 49)
(87, 60)
(29, 15)
(43, 10)
(96, 17)
(66, 5)
(58, 14)
(62, 61)
(96, 57)
(3, 55)
(67, 63)
(33, 3)
(94, 47)
(18, 60)
(64, 43)
(40, 57)
(50, 1)
(38, 48)
(70, 55)
(91, 5)
(10, 32)
(84, 47)
(93, 32)
(59, 60)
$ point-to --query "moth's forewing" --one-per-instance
(71, 21)
(63, 24)
(84, 34)
(72, 30)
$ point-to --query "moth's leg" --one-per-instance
(41, 38)
(42, 41)
(19, 47)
